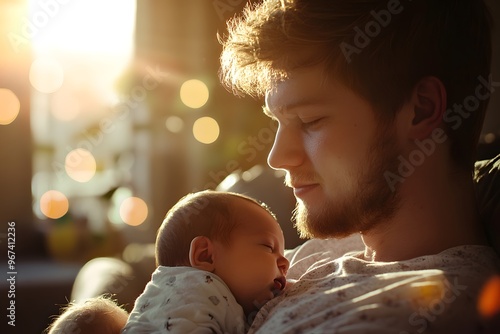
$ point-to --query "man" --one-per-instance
(379, 105)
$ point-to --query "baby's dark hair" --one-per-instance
(206, 213)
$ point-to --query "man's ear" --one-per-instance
(429, 106)
(201, 254)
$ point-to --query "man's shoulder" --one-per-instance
(473, 265)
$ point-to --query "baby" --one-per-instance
(220, 258)
(98, 315)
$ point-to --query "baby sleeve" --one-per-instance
(185, 301)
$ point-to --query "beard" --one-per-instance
(369, 205)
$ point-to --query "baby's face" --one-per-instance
(252, 265)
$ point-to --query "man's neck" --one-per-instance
(434, 216)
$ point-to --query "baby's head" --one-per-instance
(99, 315)
(230, 235)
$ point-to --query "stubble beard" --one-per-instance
(371, 204)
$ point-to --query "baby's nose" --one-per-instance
(283, 265)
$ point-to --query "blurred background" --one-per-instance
(110, 111)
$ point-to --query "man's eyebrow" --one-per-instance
(308, 101)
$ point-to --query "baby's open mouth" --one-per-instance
(279, 285)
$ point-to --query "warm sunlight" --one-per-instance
(91, 40)
(84, 26)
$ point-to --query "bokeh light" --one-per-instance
(489, 299)
(194, 93)
(46, 75)
(65, 107)
(206, 130)
(80, 165)
(137, 252)
(9, 106)
(54, 204)
(174, 124)
(133, 211)
(489, 138)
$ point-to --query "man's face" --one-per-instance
(334, 152)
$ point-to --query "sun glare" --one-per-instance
(92, 40)
(90, 26)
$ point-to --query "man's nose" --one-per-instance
(287, 149)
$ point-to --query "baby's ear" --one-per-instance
(201, 253)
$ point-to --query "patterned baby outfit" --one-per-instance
(185, 300)
(346, 294)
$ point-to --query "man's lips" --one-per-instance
(301, 189)
(301, 182)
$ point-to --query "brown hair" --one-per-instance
(99, 315)
(378, 48)
(206, 213)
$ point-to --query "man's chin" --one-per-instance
(323, 225)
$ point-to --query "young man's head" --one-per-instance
(357, 87)
(230, 235)
(98, 315)
(380, 49)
